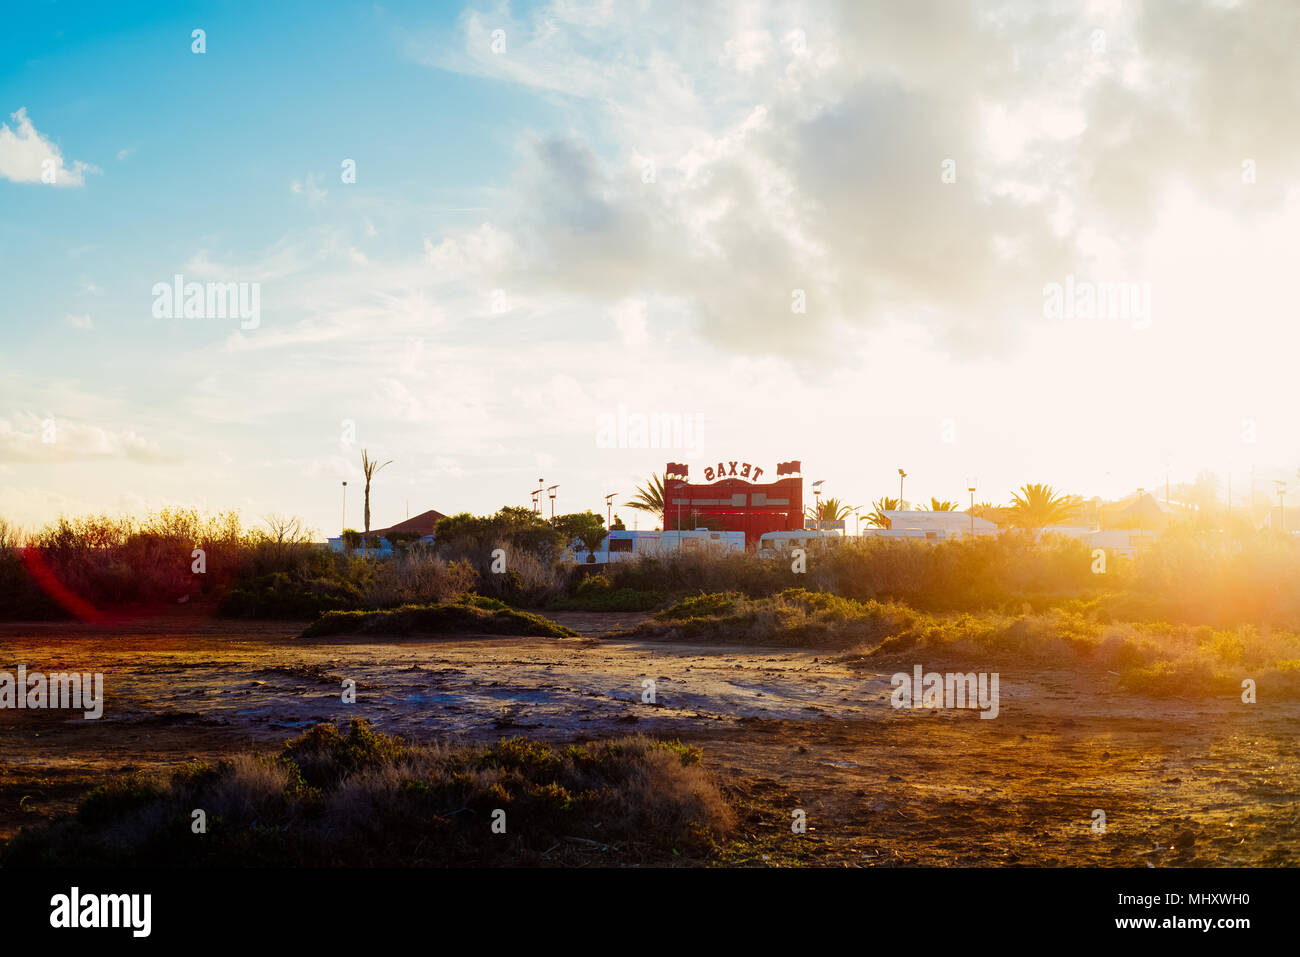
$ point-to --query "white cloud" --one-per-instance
(30, 438)
(79, 322)
(307, 187)
(799, 146)
(26, 156)
(795, 146)
(630, 320)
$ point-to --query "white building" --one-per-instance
(932, 526)
(1121, 541)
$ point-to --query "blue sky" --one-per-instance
(209, 142)
(609, 207)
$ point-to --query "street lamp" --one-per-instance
(345, 508)
(609, 523)
(1281, 504)
(817, 501)
(901, 475)
(679, 515)
(551, 489)
(971, 489)
(857, 518)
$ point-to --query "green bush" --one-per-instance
(439, 619)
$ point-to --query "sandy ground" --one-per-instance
(1182, 783)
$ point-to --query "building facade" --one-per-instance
(732, 498)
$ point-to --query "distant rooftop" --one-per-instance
(422, 524)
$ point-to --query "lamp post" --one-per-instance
(972, 510)
(1281, 504)
(817, 502)
(901, 475)
(551, 489)
(679, 515)
(344, 526)
(609, 523)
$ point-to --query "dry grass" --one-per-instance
(1152, 658)
(464, 618)
(795, 617)
(361, 798)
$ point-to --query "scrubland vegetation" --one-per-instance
(467, 617)
(362, 798)
(1154, 658)
(1189, 615)
(1192, 577)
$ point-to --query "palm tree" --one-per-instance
(938, 506)
(829, 510)
(369, 467)
(1036, 506)
(997, 514)
(877, 518)
(650, 498)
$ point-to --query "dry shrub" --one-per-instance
(665, 795)
(360, 798)
(527, 580)
(251, 785)
(418, 576)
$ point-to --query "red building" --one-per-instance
(732, 498)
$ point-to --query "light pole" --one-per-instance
(551, 489)
(609, 523)
(901, 475)
(679, 515)
(1281, 504)
(972, 510)
(345, 509)
(817, 502)
(537, 496)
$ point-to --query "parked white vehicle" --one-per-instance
(701, 539)
(624, 545)
(771, 543)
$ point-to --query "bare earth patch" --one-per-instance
(1209, 782)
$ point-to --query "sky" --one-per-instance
(863, 236)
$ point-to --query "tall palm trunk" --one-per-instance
(369, 467)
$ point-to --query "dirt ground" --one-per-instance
(1181, 783)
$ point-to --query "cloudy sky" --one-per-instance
(815, 231)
